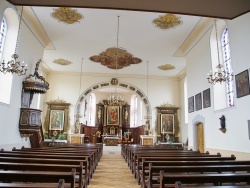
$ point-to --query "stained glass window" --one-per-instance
(3, 31)
(228, 66)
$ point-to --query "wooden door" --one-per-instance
(200, 137)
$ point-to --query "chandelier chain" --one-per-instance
(115, 98)
(80, 79)
(117, 43)
(19, 27)
(14, 66)
(221, 75)
(217, 43)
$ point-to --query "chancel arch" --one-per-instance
(102, 92)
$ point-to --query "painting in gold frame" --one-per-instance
(56, 120)
(113, 115)
(167, 123)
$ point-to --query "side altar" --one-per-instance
(147, 140)
(111, 140)
(76, 138)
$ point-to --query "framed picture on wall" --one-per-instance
(113, 115)
(242, 84)
(56, 120)
(198, 102)
(167, 123)
(191, 104)
(206, 98)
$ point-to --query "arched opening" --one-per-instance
(102, 91)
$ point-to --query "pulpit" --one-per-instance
(147, 140)
(76, 138)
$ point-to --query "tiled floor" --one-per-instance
(112, 171)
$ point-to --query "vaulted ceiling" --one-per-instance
(138, 35)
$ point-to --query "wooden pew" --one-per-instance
(94, 150)
(132, 149)
(49, 161)
(216, 179)
(50, 155)
(133, 157)
(82, 179)
(154, 171)
(140, 169)
(38, 176)
(179, 185)
(129, 150)
(136, 161)
(60, 184)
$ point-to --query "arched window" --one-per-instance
(3, 32)
(133, 111)
(9, 32)
(222, 93)
(92, 110)
(227, 64)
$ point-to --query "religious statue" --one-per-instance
(99, 114)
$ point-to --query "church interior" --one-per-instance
(161, 73)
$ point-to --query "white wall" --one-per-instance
(66, 87)
(29, 50)
(183, 126)
(236, 137)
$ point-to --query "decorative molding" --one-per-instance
(58, 101)
(115, 58)
(66, 15)
(167, 21)
(167, 105)
(195, 35)
(166, 67)
(62, 62)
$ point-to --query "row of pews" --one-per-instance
(157, 166)
(67, 165)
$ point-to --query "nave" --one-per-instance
(126, 166)
(112, 171)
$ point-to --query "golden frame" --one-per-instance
(113, 115)
(167, 123)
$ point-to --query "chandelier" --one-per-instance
(148, 116)
(14, 66)
(116, 99)
(220, 75)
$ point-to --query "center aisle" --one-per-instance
(112, 171)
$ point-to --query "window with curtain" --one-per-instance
(227, 65)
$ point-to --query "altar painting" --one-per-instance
(56, 120)
(113, 115)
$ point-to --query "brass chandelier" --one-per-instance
(221, 75)
(14, 66)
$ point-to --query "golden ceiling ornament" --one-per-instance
(166, 67)
(62, 62)
(167, 21)
(66, 15)
(108, 58)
